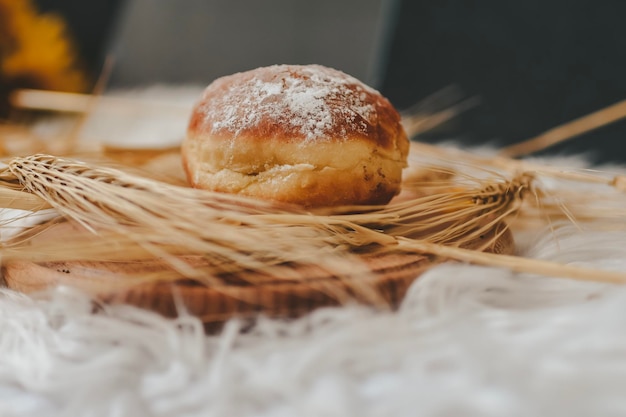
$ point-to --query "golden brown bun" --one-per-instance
(308, 135)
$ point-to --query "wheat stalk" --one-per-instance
(459, 156)
(106, 198)
(147, 218)
(569, 130)
(157, 215)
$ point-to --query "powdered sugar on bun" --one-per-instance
(309, 102)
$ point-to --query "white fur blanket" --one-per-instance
(467, 341)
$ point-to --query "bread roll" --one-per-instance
(308, 135)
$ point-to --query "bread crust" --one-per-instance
(308, 135)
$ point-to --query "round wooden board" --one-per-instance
(391, 275)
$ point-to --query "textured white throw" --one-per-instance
(467, 341)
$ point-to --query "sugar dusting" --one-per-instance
(312, 102)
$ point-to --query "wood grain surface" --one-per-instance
(308, 287)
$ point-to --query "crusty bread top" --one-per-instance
(296, 103)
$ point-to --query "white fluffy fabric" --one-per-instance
(467, 341)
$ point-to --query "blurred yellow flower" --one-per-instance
(35, 50)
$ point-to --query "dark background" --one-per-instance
(534, 64)
(91, 23)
